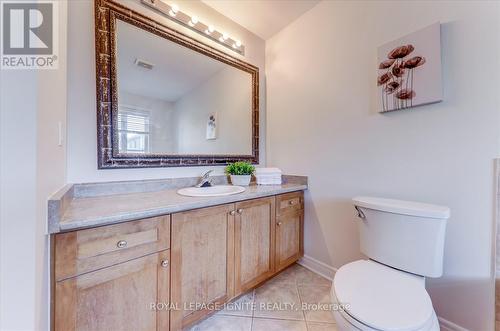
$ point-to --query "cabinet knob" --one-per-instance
(232, 212)
(239, 211)
(121, 244)
(291, 202)
(279, 223)
(164, 263)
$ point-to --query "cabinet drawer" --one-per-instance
(91, 249)
(289, 202)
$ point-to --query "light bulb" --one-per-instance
(224, 37)
(193, 21)
(173, 10)
(210, 29)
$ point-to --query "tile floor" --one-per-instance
(278, 304)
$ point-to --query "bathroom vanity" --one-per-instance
(114, 269)
(139, 255)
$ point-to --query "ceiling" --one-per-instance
(177, 69)
(263, 17)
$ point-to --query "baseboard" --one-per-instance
(318, 267)
(449, 326)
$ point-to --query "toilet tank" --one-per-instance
(402, 234)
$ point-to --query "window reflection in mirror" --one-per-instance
(175, 101)
(133, 129)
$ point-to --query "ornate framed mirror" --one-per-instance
(165, 99)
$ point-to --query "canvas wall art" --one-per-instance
(409, 70)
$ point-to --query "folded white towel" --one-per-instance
(268, 176)
(268, 182)
(267, 171)
(260, 182)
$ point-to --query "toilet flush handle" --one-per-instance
(360, 212)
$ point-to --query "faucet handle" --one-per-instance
(205, 180)
(206, 174)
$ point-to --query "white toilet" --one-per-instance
(404, 242)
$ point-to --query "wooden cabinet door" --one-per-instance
(289, 238)
(202, 262)
(120, 297)
(254, 242)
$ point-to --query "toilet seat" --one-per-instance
(382, 298)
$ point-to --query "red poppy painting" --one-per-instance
(409, 70)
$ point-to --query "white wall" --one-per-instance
(322, 122)
(32, 167)
(17, 199)
(234, 115)
(82, 145)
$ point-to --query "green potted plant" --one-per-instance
(240, 172)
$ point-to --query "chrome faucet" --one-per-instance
(205, 180)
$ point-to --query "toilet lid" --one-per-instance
(381, 297)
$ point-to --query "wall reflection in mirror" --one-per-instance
(175, 101)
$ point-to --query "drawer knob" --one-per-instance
(232, 212)
(279, 223)
(239, 211)
(164, 263)
(291, 202)
(121, 244)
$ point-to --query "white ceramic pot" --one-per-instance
(241, 180)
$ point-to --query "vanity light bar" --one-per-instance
(192, 22)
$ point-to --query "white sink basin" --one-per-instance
(212, 191)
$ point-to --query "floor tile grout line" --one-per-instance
(254, 293)
(279, 319)
(300, 299)
(253, 310)
(313, 285)
(233, 315)
(292, 320)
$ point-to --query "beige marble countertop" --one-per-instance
(91, 211)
